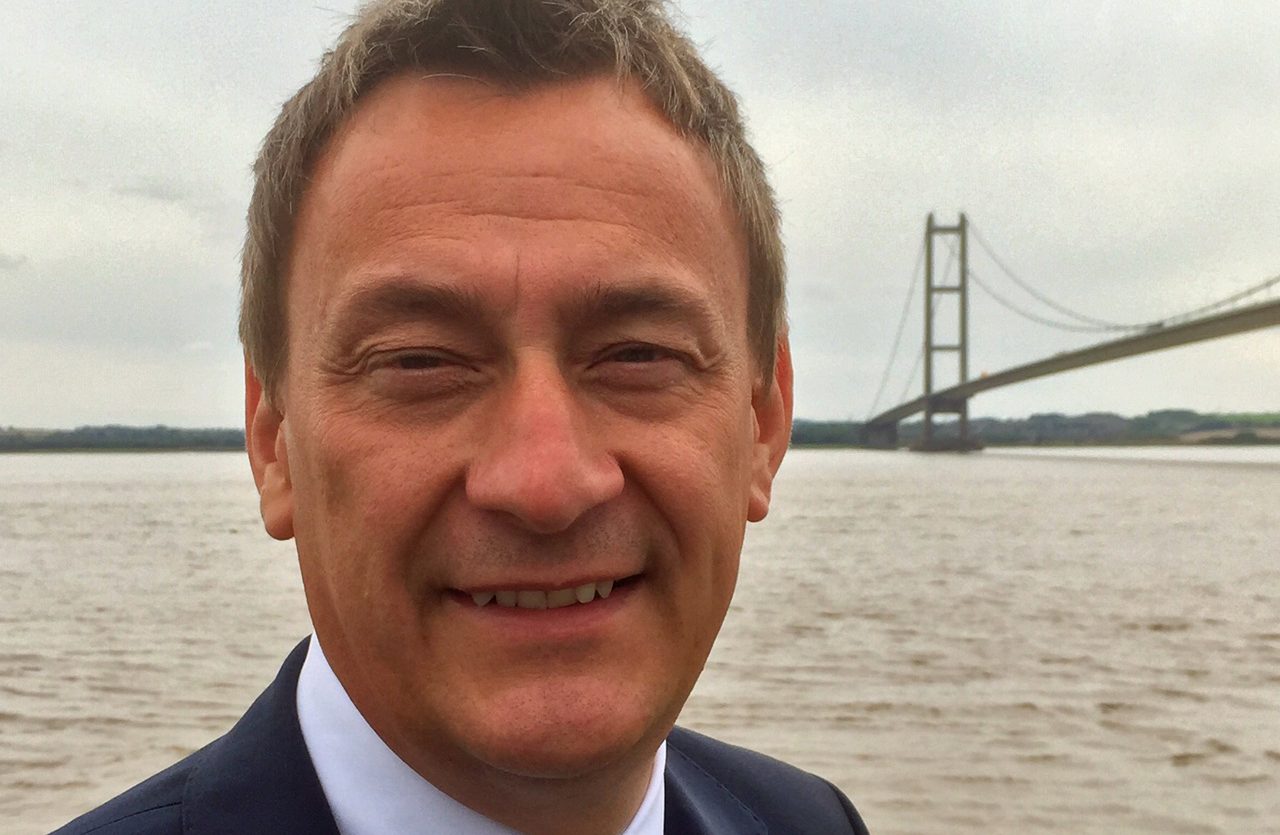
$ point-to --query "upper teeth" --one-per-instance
(555, 599)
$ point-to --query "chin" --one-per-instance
(567, 735)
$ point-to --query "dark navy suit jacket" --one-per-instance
(258, 778)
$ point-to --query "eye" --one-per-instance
(416, 362)
(639, 354)
(413, 360)
(640, 367)
(417, 374)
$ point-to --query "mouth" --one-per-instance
(583, 594)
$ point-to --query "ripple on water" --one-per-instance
(980, 645)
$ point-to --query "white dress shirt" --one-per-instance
(373, 792)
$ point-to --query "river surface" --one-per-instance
(1079, 641)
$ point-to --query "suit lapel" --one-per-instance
(697, 804)
(259, 778)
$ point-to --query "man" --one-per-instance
(516, 380)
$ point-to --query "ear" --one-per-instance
(264, 439)
(772, 404)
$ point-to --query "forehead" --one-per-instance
(466, 174)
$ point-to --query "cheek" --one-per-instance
(720, 458)
(700, 478)
(364, 496)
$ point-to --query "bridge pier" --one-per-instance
(880, 435)
(962, 442)
(934, 287)
(947, 444)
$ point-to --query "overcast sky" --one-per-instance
(1123, 157)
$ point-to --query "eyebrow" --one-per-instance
(653, 299)
(404, 298)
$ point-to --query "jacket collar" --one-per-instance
(259, 778)
(698, 804)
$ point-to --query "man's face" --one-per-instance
(518, 368)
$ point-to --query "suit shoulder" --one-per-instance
(786, 798)
(153, 807)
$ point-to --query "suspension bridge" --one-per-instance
(1236, 313)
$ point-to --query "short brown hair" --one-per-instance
(518, 42)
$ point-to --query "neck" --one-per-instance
(535, 796)
(603, 801)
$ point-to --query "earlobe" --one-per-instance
(264, 440)
(772, 405)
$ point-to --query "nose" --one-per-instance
(542, 461)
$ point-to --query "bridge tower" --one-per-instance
(934, 289)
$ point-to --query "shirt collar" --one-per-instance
(371, 791)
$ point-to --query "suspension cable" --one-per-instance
(1102, 324)
(1099, 324)
(916, 272)
(915, 366)
(1229, 300)
(1026, 314)
(915, 369)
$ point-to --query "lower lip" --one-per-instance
(542, 624)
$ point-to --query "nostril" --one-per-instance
(545, 494)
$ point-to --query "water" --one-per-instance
(1020, 642)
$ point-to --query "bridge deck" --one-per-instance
(1240, 320)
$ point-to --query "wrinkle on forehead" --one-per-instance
(427, 169)
(502, 189)
(454, 117)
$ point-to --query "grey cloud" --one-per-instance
(941, 53)
(165, 191)
(11, 262)
(218, 215)
(1118, 156)
(146, 300)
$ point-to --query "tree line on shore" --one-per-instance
(1095, 428)
(1165, 426)
(113, 437)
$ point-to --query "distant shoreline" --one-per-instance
(1167, 443)
(1167, 427)
(116, 438)
(1170, 443)
(54, 450)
